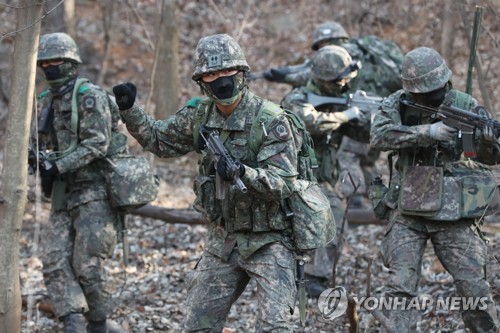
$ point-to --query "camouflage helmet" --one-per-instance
(218, 52)
(58, 45)
(327, 31)
(330, 61)
(424, 70)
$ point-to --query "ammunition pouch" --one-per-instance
(467, 188)
(205, 202)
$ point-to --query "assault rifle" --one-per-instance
(278, 74)
(217, 150)
(359, 99)
(367, 104)
(463, 120)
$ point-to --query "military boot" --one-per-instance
(74, 323)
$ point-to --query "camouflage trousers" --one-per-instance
(215, 285)
(75, 245)
(321, 260)
(461, 251)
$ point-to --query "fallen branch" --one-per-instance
(191, 217)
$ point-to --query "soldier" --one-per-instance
(248, 235)
(327, 33)
(430, 158)
(81, 234)
(328, 124)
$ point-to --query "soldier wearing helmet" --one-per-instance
(331, 72)
(430, 157)
(247, 234)
(81, 233)
(329, 33)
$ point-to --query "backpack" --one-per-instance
(313, 222)
(381, 60)
(130, 181)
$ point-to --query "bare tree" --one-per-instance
(165, 70)
(448, 32)
(61, 17)
(13, 193)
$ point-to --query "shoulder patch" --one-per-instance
(88, 102)
(281, 131)
(193, 102)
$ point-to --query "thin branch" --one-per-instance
(142, 23)
(32, 24)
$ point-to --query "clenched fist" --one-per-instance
(125, 95)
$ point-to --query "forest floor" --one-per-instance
(149, 292)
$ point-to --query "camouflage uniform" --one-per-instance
(328, 62)
(81, 233)
(457, 243)
(248, 235)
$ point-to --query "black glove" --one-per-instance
(32, 161)
(276, 74)
(229, 175)
(48, 173)
(125, 95)
(48, 169)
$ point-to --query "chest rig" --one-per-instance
(238, 212)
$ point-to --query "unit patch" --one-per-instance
(281, 131)
(88, 102)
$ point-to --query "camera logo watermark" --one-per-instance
(333, 302)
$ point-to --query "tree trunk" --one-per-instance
(13, 195)
(448, 31)
(165, 70)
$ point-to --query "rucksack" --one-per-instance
(313, 222)
(130, 180)
(381, 64)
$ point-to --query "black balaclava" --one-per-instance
(58, 75)
(432, 98)
(226, 89)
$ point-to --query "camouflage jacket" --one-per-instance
(80, 167)
(407, 132)
(327, 143)
(250, 219)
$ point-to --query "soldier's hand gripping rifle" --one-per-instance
(217, 151)
(367, 104)
(41, 161)
(463, 120)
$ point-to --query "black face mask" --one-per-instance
(53, 73)
(223, 87)
(433, 98)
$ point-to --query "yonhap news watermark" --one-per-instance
(333, 303)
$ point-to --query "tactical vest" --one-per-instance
(241, 212)
(436, 182)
